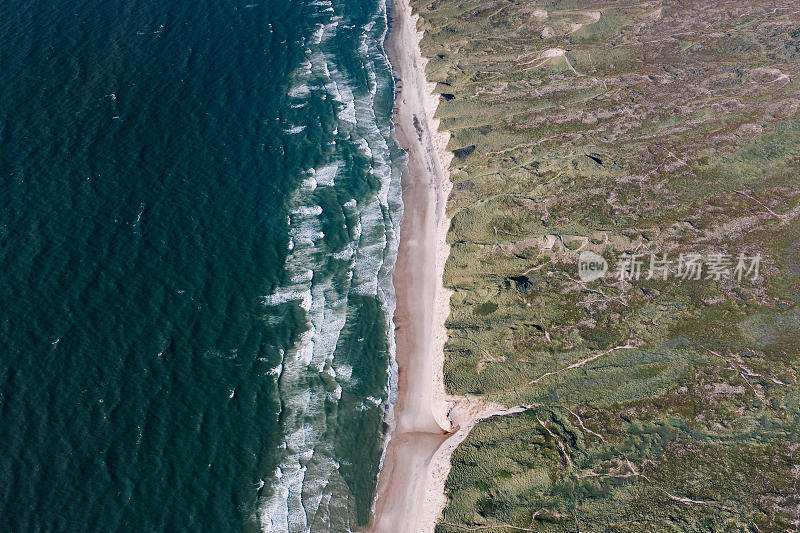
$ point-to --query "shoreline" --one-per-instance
(427, 424)
(420, 422)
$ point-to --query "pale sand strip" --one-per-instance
(428, 424)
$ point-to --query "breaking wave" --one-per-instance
(343, 224)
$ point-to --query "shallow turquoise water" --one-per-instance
(199, 206)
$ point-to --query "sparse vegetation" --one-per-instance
(659, 127)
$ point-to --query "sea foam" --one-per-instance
(307, 491)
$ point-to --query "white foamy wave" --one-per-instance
(307, 210)
(303, 277)
(299, 91)
(307, 492)
(370, 402)
(345, 371)
(310, 183)
(282, 297)
(324, 32)
(326, 174)
(344, 255)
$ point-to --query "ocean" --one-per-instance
(199, 216)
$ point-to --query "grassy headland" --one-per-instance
(618, 127)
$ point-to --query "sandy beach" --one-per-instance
(420, 426)
(428, 425)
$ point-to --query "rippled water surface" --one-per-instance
(199, 204)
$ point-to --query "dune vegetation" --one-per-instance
(640, 128)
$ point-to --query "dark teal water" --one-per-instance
(199, 205)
